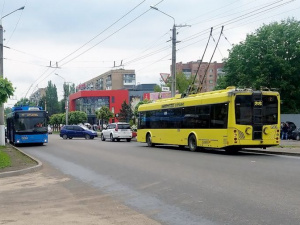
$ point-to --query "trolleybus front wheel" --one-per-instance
(192, 143)
(149, 141)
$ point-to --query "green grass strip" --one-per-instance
(4, 159)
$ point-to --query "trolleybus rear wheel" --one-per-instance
(149, 140)
(192, 143)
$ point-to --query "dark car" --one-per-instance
(296, 134)
(70, 131)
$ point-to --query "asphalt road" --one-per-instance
(173, 186)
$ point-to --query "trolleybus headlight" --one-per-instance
(248, 130)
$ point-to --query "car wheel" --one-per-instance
(70, 137)
(128, 139)
(65, 136)
(192, 143)
(102, 137)
(111, 137)
(87, 136)
(149, 141)
(118, 139)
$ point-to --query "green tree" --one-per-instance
(52, 99)
(104, 114)
(157, 88)
(42, 102)
(25, 101)
(125, 112)
(145, 101)
(182, 82)
(75, 117)
(6, 90)
(55, 120)
(269, 57)
(7, 111)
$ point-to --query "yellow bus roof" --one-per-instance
(212, 97)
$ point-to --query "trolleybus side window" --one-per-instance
(219, 115)
(243, 109)
(270, 110)
(189, 117)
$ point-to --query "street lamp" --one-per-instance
(2, 129)
(66, 98)
(173, 72)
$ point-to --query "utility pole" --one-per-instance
(2, 129)
(173, 68)
(173, 74)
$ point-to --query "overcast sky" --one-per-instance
(87, 38)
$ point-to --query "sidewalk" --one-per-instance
(286, 147)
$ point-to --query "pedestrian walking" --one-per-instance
(284, 131)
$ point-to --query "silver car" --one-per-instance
(117, 131)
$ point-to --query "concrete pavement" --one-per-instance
(49, 197)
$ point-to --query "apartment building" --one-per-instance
(36, 96)
(207, 74)
(111, 80)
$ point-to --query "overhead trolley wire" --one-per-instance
(109, 35)
(241, 17)
(87, 43)
(103, 31)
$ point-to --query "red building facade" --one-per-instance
(90, 101)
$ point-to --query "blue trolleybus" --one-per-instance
(27, 125)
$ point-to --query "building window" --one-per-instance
(99, 84)
(90, 104)
(211, 70)
(129, 79)
(211, 81)
(113, 99)
(108, 82)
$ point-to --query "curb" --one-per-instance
(23, 171)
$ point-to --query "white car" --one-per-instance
(117, 131)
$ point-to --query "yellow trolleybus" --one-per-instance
(230, 119)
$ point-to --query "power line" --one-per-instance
(239, 18)
(110, 35)
(16, 24)
(85, 45)
(102, 31)
(25, 53)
